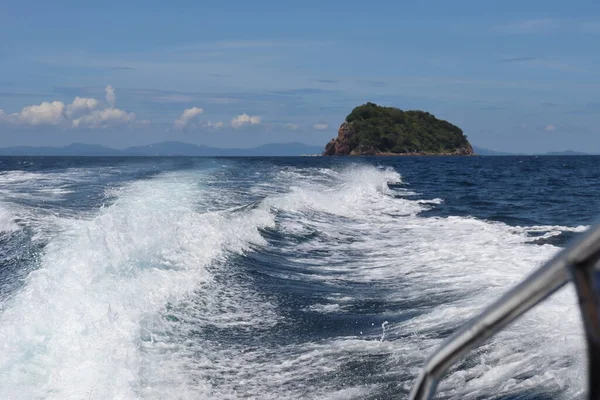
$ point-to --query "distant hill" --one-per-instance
(79, 149)
(375, 130)
(164, 149)
(171, 149)
(186, 149)
(174, 148)
(285, 149)
(565, 153)
(480, 151)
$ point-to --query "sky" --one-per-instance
(517, 76)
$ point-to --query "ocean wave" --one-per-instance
(39, 185)
(157, 295)
(445, 268)
(7, 221)
(73, 330)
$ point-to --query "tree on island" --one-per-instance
(375, 130)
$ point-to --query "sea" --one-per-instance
(283, 278)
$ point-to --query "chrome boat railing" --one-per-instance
(575, 263)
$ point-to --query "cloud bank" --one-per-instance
(82, 112)
(245, 119)
(188, 117)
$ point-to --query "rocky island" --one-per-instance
(372, 130)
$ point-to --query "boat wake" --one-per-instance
(272, 282)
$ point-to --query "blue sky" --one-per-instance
(514, 75)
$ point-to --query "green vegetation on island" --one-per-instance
(375, 130)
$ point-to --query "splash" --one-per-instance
(74, 330)
(7, 221)
(383, 325)
(443, 270)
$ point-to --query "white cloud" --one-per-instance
(550, 128)
(46, 113)
(188, 116)
(83, 111)
(320, 127)
(245, 119)
(292, 126)
(215, 125)
(104, 118)
(81, 105)
(92, 118)
(43, 114)
(51, 113)
(111, 99)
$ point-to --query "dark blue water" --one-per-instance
(282, 277)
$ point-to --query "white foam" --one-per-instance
(90, 323)
(74, 330)
(229, 372)
(432, 201)
(545, 228)
(21, 192)
(464, 263)
(38, 185)
(348, 193)
(7, 220)
(326, 308)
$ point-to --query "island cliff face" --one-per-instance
(372, 130)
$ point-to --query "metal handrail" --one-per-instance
(573, 263)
